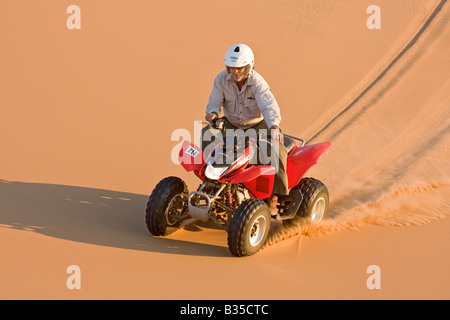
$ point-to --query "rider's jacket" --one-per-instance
(246, 107)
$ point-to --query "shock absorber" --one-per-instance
(229, 199)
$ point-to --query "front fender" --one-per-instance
(191, 157)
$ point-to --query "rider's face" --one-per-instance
(238, 74)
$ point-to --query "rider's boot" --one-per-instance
(272, 202)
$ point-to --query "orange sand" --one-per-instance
(86, 123)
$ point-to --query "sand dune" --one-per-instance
(391, 143)
(85, 127)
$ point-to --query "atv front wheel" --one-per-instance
(167, 206)
(314, 206)
(249, 228)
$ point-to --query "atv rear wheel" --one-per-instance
(167, 206)
(249, 228)
(314, 206)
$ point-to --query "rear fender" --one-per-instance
(257, 179)
(301, 159)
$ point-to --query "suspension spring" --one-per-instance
(229, 198)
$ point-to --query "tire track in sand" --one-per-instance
(351, 106)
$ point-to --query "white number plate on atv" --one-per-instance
(192, 152)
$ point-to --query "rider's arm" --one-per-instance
(266, 102)
(216, 97)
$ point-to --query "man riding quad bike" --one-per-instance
(250, 171)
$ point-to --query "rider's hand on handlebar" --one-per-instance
(210, 117)
(276, 134)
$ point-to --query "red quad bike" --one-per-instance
(235, 195)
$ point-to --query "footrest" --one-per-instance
(296, 198)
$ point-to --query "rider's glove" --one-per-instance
(276, 133)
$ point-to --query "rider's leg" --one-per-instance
(280, 185)
(278, 158)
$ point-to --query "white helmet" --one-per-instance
(239, 55)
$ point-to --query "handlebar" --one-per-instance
(219, 124)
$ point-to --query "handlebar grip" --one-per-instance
(219, 124)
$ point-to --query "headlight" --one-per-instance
(214, 173)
